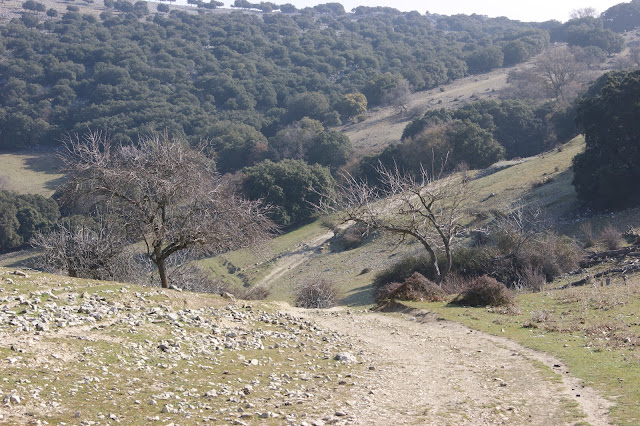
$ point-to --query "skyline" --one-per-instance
(540, 11)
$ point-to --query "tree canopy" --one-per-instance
(184, 72)
(292, 187)
(608, 172)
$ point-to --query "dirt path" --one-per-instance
(437, 372)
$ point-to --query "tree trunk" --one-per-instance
(162, 270)
(437, 275)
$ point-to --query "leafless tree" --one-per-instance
(559, 69)
(556, 73)
(428, 208)
(399, 95)
(166, 194)
(634, 55)
(87, 250)
(585, 12)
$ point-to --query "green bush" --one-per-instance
(402, 270)
(292, 187)
(607, 173)
(24, 215)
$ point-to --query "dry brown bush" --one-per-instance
(485, 291)
(319, 294)
(610, 238)
(416, 287)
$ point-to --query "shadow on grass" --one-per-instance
(360, 296)
(55, 183)
(46, 162)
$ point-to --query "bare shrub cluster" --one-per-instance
(320, 294)
(352, 237)
(485, 291)
(610, 238)
(416, 287)
(84, 248)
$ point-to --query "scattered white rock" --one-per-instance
(345, 357)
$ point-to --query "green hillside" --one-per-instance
(304, 255)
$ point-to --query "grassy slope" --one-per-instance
(544, 180)
(30, 173)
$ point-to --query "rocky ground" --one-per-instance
(88, 353)
(83, 352)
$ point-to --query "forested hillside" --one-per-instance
(247, 74)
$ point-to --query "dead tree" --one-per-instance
(166, 194)
(428, 209)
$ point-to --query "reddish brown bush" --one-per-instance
(611, 238)
(416, 287)
(485, 291)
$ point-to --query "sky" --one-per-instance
(529, 10)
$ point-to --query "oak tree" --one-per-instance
(166, 194)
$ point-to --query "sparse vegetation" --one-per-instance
(485, 291)
(416, 287)
(317, 294)
(610, 237)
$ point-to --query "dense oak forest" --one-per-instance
(241, 74)
(265, 83)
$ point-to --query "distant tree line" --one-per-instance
(22, 216)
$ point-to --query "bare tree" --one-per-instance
(634, 55)
(428, 209)
(87, 250)
(559, 69)
(166, 194)
(585, 12)
(556, 73)
(399, 95)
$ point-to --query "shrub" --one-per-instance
(532, 279)
(587, 234)
(454, 283)
(473, 261)
(320, 294)
(485, 291)
(402, 270)
(416, 287)
(352, 237)
(610, 238)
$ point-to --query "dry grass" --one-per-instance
(384, 125)
(157, 355)
(32, 173)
